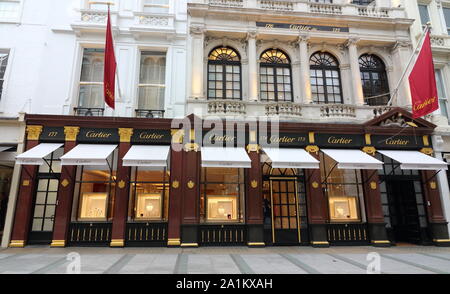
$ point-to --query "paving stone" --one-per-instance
(150, 264)
(271, 264)
(212, 264)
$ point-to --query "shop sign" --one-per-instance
(52, 134)
(94, 135)
(302, 27)
(148, 136)
(338, 141)
(284, 140)
(223, 139)
(397, 142)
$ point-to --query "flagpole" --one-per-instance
(419, 44)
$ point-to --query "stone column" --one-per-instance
(191, 166)
(65, 193)
(316, 201)
(305, 81)
(197, 66)
(357, 90)
(252, 67)
(438, 223)
(253, 195)
(401, 54)
(121, 198)
(176, 190)
(24, 208)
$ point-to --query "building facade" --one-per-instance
(282, 134)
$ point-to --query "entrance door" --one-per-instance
(44, 211)
(403, 211)
(284, 206)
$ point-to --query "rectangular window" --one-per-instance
(150, 194)
(91, 80)
(152, 81)
(344, 190)
(443, 99)
(156, 6)
(9, 9)
(447, 18)
(101, 5)
(424, 14)
(3, 63)
(222, 195)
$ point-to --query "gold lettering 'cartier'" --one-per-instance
(225, 138)
(396, 142)
(150, 136)
(420, 106)
(334, 140)
(101, 135)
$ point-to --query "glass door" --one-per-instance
(284, 206)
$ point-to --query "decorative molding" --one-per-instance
(253, 148)
(175, 184)
(125, 135)
(190, 184)
(65, 183)
(370, 150)
(17, 244)
(121, 184)
(254, 184)
(71, 133)
(58, 243)
(26, 183)
(312, 149)
(427, 151)
(373, 185)
(34, 132)
(433, 185)
(191, 147)
(315, 185)
(117, 243)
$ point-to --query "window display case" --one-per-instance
(222, 208)
(344, 209)
(148, 206)
(93, 206)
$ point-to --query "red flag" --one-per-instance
(422, 81)
(109, 78)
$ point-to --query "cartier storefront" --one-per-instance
(99, 181)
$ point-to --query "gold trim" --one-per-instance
(312, 149)
(427, 151)
(65, 183)
(174, 242)
(17, 244)
(254, 184)
(256, 244)
(121, 184)
(381, 242)
(373, 185)
(433, 185)
(441, 240)
(192, 135)
(175, 184)
(426, 140)
(190, 184)
(189, 245)
(177, 136)
(370, 150)
(71, 133)
(368, 139)
(117, 243)
(320, 243)
(58, 243)
(34, 132)
(253, 148)
(315, 185)
(26, 183)
(125, 135)
(311, 138)
(191, 147)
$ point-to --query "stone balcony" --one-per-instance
(440, 41)
(285, 111)
(340, 7)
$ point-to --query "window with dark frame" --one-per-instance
(224, 74)
(325, 79)
(222, 195)
(275, 76)
(3, 63)
(149, 190)
(374, 80)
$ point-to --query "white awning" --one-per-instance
(225, 157)
(415, 160)
(154, 156)
(88, 154)
(353, 159)
(291, 158)
(35, 156)
(4, 148)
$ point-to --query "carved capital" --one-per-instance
(125, 135)
(34, 132)
(177, 135)
(312, 149)
(352, 41)
(197, 30)
(251, 35)
(71, 133)
(370, 150)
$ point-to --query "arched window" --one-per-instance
(325, 78)
(224, 74)
(275, 76)
(374, 79)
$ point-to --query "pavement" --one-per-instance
(226, 260)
